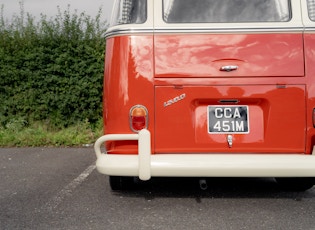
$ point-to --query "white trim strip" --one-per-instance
(121, 32)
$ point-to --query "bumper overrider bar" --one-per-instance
(145, 165)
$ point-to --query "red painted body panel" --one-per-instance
(274, 79)
(273, 111)
(128, 81)
(256, 55)
(309, 47)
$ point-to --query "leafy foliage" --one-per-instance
(51, 71)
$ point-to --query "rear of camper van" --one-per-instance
(209, 88)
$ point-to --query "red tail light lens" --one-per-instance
(138, 118)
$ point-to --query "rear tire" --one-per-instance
(121, 183)
(295, 183)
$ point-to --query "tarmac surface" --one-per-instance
(59, 188)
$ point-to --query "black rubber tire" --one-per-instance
(295, 183)
(121, 183)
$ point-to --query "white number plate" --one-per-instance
(228, 119)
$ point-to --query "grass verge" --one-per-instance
(19, 134)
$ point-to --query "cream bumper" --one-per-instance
(144, 165)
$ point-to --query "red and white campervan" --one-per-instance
(209, 88)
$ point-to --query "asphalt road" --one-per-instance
(59, 188)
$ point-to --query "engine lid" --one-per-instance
(229, 55)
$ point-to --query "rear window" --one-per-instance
(129, 12)
(226, 11)
(311, 9)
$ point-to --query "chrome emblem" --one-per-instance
(175, 100)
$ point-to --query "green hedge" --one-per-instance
(51, 71)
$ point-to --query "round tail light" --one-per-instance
(138, 118)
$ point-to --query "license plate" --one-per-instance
(228, 119)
